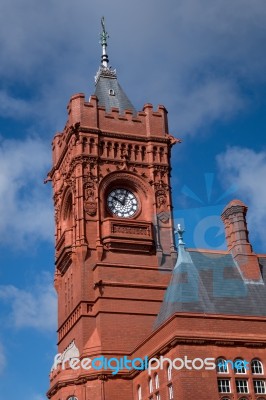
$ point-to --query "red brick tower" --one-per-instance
(114, 235)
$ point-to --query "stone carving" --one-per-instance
(161, 199)
(90, 205)
(164, 217)
(173, 140)
(131, 230)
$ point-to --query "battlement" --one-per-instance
(145, 123)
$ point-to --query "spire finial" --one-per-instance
(104, 37)
(180, 232)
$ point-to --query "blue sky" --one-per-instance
(205, 61)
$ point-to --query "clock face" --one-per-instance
(122, 203)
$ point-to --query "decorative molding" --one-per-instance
(161, 199)
(90, 204)
(164, 217)
(137, 235)
(129, 178)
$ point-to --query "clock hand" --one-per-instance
(115, 198)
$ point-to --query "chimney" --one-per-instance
(236, 233)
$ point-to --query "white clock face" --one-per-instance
(122, 203)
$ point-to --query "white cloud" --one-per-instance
(13, 107)
(197, 65)
(2, 358)
(246, 169)
(25, 206)
(207, 102)
(35, 307)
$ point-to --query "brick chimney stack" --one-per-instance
(236, 232)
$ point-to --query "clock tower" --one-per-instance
(114, 233)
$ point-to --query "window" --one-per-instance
(243, 398)
(156, 381)
(111, 92)
(150, 385)
(169, 372)
(158, 396)
(239, 366)
(256, 367)
(139, 393)
(225, 398)
(241, 386)
(221, 366)
(224, 385)
(259, 386)
(170, 392)
(72, 398)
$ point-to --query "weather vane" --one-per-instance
(104, 37)
(104, 34)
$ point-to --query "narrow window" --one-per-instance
(139, 393)
(169, 372)
(150, 385)
(156, 381)
(224, 386)
(259, 386)
(241, 386)
(256, 367)
(170, 392)
(221, 366)
(239, 366)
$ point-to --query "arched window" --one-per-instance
(150, 385)
(139, 393)
(169, 372)
(72, 398)
(239, 366)
(156, 378)
(68, 206)
(221, 366)
(256, 367)
(170, 392)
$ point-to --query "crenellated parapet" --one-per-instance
(147, 122)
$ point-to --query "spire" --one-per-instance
(104, 70)
(104, 37)
(108, 91)
(186, 291)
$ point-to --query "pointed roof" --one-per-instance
(186, 291)
(108, 90)
(210, 283)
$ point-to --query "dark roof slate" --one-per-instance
(211, 283)
(119, 99)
